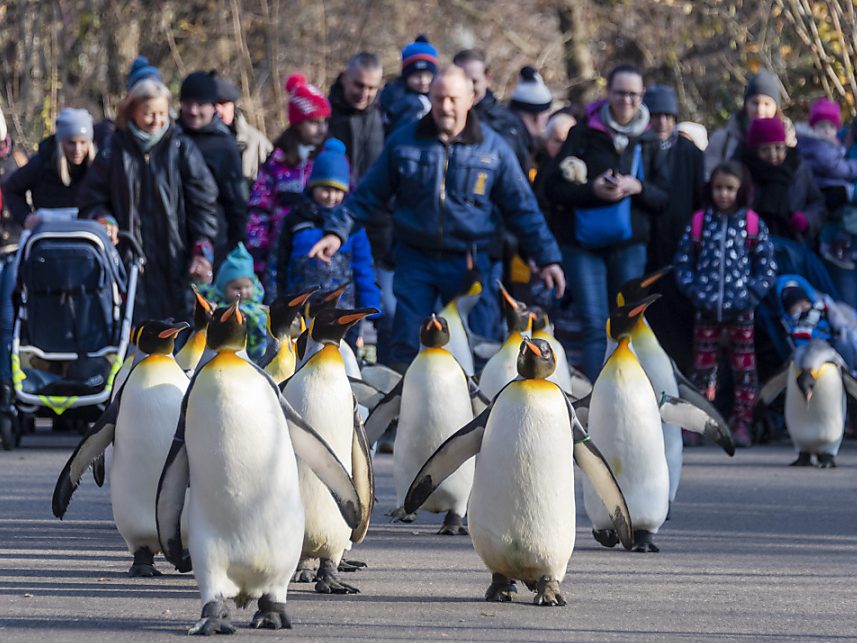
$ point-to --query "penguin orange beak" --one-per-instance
(201, 301)
(655, 276)
(468, 258)
(355, 316)
(434, 322)
(509, 299)
(232, 310)
(173, 332)
(300, 300)
(334, 295)
(533, 348)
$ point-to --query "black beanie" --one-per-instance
(199, 86)
(661, 99)
(763, 83)
(227, 91)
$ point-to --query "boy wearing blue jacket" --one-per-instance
(304, 226)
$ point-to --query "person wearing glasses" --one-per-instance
(606, 181)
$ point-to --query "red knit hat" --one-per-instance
(825, 109)
(766, 130)
(305, 100)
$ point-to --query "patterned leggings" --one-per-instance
(742, 358)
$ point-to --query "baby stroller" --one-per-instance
(74, 302)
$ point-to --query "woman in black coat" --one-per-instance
(152, 181)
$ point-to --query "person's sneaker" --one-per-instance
(741, 435)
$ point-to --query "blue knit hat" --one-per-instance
(238, 264)
(330, 166)
(419, 56)
(141, 69)
(661, 99)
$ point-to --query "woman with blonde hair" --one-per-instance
(152, 182)
(53, 175)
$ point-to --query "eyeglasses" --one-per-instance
(632, 96)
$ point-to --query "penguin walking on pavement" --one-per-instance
(234, 453)
(139, 423)
(432, 402)
(624, 415)
(456, 313)
(284, 325)
(815, 381)
(521, 513)
(190, 354)
(320, 392)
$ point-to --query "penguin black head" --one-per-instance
(331, 324)
(227, 330)
(541, 320)
(806, 383)
(536, 359)
(325, 300)
(284, 311)
(202, 310)
(434, 332)
(518, 318)
(623, 318)
(159, 337)
(637, 289)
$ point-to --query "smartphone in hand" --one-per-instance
(611, 179)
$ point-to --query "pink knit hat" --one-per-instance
(305, 101)
(825, 109)
(766, 130)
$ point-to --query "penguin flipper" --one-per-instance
(774, 386)
(169, 503)
(310, 447)
(689, 393)
(91, 446)
(365, 393)
(581, 408)
(850, 383)
(686, 414)
(478, 400)
(363, 477)
(457, 449)
(381, 377)
(99, 473)
(384, 413)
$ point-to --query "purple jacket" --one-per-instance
(827, 160)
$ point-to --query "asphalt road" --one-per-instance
(755, 550)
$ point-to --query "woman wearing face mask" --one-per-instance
(152, 181)
(784, 192)
(53, 176)
(283, 177)
(761, 100)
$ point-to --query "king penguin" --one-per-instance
(435, 402)
(521, 512)
(456, 313)
(283, 320)
(139, 422)
(815, 381)
(326, 301)
(235, 446)
(190, 354)
(321, 392)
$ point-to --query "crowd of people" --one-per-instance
(395, 188)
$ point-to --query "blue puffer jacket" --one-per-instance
(302, 228)
(723, 274)
(448, 197)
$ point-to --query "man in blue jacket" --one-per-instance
(450, 177)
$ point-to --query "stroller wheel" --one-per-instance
(7, 433)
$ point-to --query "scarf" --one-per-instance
(774, 181)
(147, 140)
(622, 134)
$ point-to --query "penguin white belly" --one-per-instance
(435, 404)
(148, 415)
(245, 514)
(502, 368)
(817, 427)
(459, 344)
(320, 392)
(521, 513)
(660, 371)
(352, 368)
(625, 423)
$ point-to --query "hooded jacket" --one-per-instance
(253, 145)
(826, 159)
(167, 200)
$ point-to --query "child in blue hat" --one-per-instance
(304, 226)
(235, 278)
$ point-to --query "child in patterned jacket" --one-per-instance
(725, 266)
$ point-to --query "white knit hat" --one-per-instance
(531, 94)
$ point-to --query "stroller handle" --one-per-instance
(136, 248)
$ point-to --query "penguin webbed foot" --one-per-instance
(804, 459)
(215, 620)
(453, 525)
(271, 615)
(547, 593)
(144, 564)
(327, 580)
(349, 566)
(643, 543)
(400, 515)
(501, 589)
(606, 537)
(303, 574)
(825, 461)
